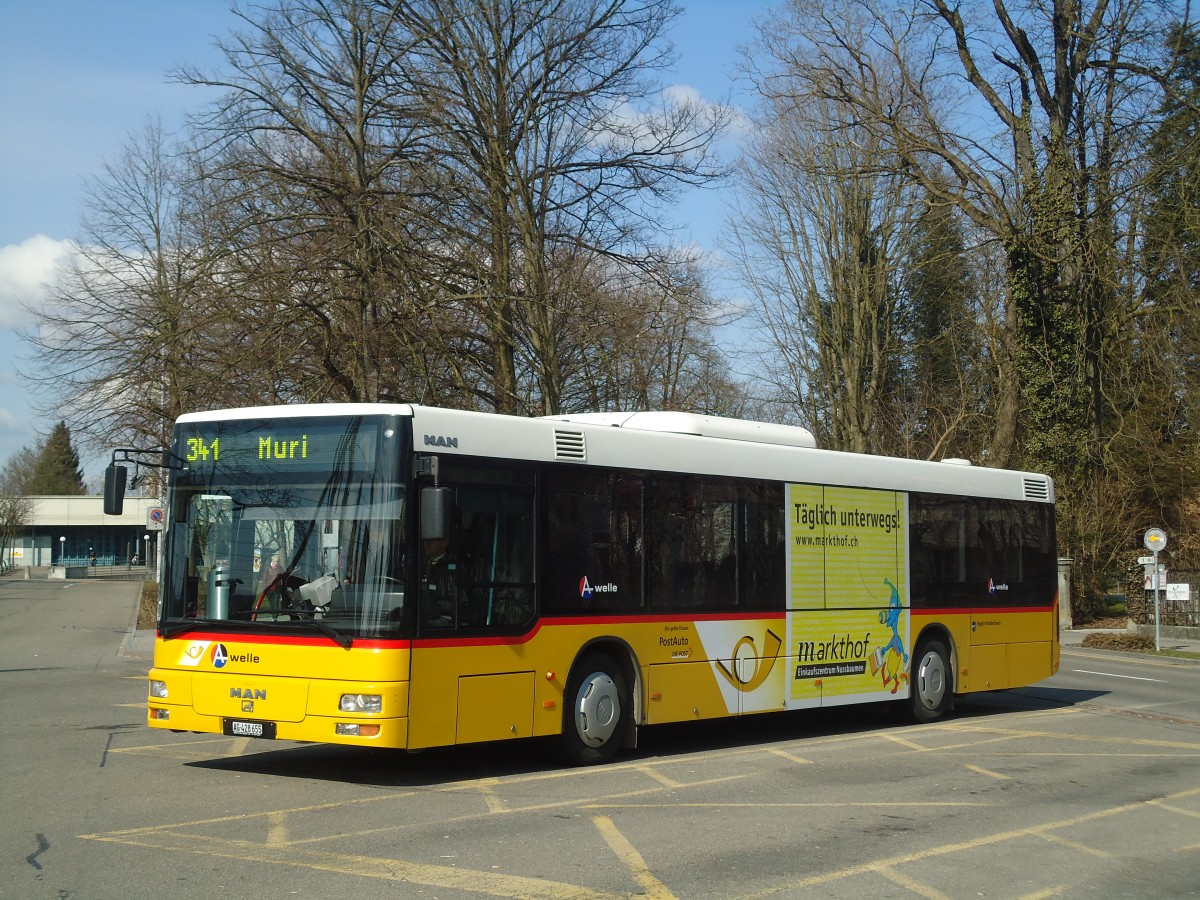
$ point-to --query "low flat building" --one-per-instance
(74, 531)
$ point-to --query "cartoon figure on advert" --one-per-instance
(891, 660)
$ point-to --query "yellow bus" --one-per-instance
(401, 576)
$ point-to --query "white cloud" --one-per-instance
(739, 122)
(26, 270)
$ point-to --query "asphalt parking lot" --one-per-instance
(1087, 784)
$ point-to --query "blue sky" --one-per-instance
(77, 77)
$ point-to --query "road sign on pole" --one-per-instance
(1155, 540)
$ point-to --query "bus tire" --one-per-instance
(595, 710)
(932, 689)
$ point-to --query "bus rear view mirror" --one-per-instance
(114, 489)
(435, 513)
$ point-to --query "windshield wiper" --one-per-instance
(330, 632)
(307, 617)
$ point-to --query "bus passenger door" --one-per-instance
(472, 679)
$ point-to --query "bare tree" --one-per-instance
(317, 164)
(556, 136)
(633, 339)
(821, 239)
(16, 508)
(1030, 111)
(119, 341)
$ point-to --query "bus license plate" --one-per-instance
(242, 728)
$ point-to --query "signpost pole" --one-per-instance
(1156, 540)
(1157, 609)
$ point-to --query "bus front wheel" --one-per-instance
(595, 706)
(931, 687)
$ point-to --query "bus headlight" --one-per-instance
(362, 703)
(158, 689)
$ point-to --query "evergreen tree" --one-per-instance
(942, 376)
(1173, 227)
(57, 470)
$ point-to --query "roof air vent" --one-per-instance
(1037, 489)
(569, 445)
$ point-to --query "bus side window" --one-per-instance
(481, 574)
(593, 540)
(763, 547)
(692, 561)
(496, 567)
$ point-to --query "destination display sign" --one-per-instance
(280, 445)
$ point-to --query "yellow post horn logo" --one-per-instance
(764, 662)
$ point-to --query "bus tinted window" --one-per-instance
(763, 547)
(974, 552)
(692, 558)
(482, 576)
(593, 541)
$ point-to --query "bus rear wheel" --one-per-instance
(931, 687)
(595, 707)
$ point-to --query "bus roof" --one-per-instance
(670, 442)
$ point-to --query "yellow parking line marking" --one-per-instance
(904, 742)
(487, 787)
(1062, 841)
(130, 705)
(1177, 809)
(469, 881)
(800, 761)
(1099, 754)
(1085, 738)
(916, 887)
(982, 771)
(242, 817)
(847, 804)
(277, 832)
(972, 844)
(167, 745)
(664, 780)
(626, 853)
(999, 739)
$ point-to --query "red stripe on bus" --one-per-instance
(976, 610)
(286, 640)
(564, 621)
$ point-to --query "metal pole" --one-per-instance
(1157, 617)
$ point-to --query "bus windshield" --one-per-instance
(292, 524)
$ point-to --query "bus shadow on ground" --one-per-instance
(449, 765)
(1024, 699)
